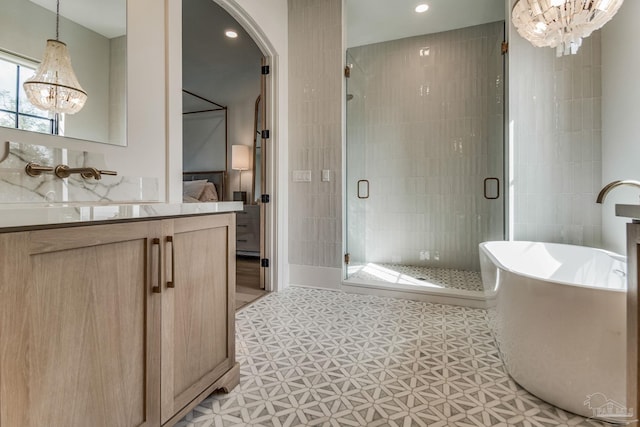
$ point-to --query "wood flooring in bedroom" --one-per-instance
(247, 281)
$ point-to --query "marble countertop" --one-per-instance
(37, 216)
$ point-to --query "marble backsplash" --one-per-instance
(18, 187)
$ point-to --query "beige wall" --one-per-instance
(315, 134)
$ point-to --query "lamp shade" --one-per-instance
(54, 86)
(240, 157)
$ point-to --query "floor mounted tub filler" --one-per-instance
(558, 314)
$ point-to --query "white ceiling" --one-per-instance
(211, 61)
(374, 21)
(213, 65)
(106, 17)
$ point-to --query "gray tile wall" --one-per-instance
(555, 112)
(315, 131)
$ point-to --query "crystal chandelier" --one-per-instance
(54, 86)
(561, 23)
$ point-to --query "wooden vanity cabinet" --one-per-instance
(92, 333)
(198, 311)
(82, 340)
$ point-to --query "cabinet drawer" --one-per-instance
(248, 229)
(243, 218)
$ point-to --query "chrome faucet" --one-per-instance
(605, 190)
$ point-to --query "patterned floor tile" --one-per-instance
(427, 277)
(322, 358)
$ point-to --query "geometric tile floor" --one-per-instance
(426, 277)
(313, 357)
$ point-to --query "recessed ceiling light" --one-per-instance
(231, 34)
(422, 8)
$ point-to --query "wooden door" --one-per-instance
(265, 96)
(84, 342)
(198, 342)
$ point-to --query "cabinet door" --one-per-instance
(14, 391)
(197, 308)
(84, 345)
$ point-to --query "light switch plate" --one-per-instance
(326, 175)
(302, 176)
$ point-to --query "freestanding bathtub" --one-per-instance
(558, 314)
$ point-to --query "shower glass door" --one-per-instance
(425, 158)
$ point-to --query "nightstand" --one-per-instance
(248, 231)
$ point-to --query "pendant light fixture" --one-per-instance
(54, 86)
(562, 24)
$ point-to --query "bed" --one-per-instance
(203, 186)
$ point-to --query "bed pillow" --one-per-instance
(193, 189)
(209, 193)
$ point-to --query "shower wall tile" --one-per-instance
(425, 131)
(555, 111)
(315, 131)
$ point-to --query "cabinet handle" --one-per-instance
(172, 282)
(158, 289)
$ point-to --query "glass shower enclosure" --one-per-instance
(425, 159)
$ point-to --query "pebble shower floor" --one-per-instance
(323, 358)
(443, 278)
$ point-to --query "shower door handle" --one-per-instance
(363, 189)
(488, 186)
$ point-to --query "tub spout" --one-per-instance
(610, 186)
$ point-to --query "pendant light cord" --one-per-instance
(58, 20)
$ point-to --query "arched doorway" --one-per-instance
(223, 79)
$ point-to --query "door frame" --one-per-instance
(270, 148)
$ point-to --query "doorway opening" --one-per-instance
(224, 116)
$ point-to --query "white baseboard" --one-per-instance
(315, 277)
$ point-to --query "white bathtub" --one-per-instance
(558, 313)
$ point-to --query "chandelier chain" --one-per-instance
(57, 19)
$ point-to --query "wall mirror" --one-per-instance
(95, 33)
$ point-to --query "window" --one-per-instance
(15, 109)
